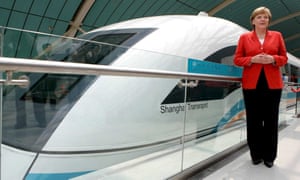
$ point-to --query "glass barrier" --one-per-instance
(214, 123)
(66, 126)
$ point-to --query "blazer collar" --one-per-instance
(254, 36)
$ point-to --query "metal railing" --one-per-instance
(10, 65)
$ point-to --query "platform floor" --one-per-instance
(286, 166)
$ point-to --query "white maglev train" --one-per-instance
(96, 122)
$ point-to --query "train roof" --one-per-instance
(166, 20)
(183, 23)
(182, 35)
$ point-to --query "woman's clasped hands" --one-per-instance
(262, 59)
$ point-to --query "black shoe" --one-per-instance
(256, 161)
(269, 164)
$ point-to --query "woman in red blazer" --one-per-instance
(261, 53)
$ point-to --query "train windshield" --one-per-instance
(31, 115)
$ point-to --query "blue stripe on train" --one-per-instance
(206, 67)
(56, 176)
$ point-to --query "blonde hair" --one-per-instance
(260, 10)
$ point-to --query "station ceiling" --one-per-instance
(73, 17)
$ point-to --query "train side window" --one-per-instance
(223, 56)
(205, 90)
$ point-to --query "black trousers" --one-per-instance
(262, 111)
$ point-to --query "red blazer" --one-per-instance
(249, 46)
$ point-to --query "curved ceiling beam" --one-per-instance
(78, 18)
(220, 7)
(295, 50)
(295, 36)
(277, 21)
